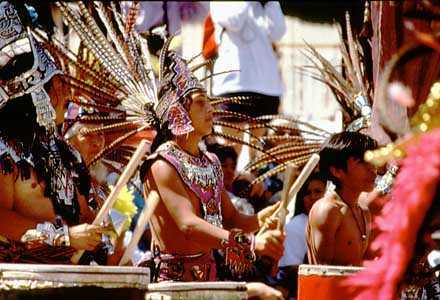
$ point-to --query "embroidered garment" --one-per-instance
(165, 267)
(37, 253)
(202, 175)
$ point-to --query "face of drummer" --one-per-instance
(88, 145)
(200, 113)
(59, 94)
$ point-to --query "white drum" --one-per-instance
(196, 291)
(32, 281)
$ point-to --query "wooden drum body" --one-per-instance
(32, 281)
(323, 282)
(197, 291)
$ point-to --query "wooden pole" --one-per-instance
(128, 172)
(299, 182)
(150, 205)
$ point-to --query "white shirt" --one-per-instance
(246, 44)
(295, 244)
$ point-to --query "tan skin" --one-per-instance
(23, 204)
(88, 145)
(335, 228)
(177, 226)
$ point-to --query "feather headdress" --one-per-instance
(17, 43)
(351, 88)
(352, 91)
(112, 73)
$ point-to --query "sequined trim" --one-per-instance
(203, 175)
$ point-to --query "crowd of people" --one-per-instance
(61, 148)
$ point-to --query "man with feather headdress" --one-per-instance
(44, 184)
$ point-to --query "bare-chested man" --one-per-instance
(43, 183)
(339, 227)
(194, 214)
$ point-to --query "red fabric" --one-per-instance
(209, 44)
(417, 71)
(400, 221)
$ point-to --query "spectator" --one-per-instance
(228, 160)
(338, 229)
(245, 32)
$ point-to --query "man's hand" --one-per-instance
(258, 290)
(267, 212)
(270, 243)
(86, 236)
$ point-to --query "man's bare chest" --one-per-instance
(29, 199)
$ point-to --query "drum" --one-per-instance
(197, 291)
(29, 281)
(324, 282)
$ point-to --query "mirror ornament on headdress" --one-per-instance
(17, 40)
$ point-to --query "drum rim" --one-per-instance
(327, 270)
(196, 286)
(74, 269)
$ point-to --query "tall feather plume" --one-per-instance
(346, 87)
(123, 105)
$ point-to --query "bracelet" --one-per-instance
(239, 251)
(48, 234)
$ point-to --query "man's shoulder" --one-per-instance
(161, 168)
(325, 209)
(329, 201)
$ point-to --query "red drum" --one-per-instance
(323, 282)
(68, 282)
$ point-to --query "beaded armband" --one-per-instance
(385, 183)
(239, 251)
(47, 233)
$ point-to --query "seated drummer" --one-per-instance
(338, 229)
(44, 185)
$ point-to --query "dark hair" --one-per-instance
(223, 152)
(299, 204)
(339, 148)
(241, 187)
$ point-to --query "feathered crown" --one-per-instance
(351, 89)
(176, 82)
(16, 44)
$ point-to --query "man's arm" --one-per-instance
(14, 225)
(275, 23)
(270, 243)
(234, 219)
(230, 15)
(164, 178)
(325, 221)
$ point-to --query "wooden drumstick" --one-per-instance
(150, 205)
(299, 182)
(287, 197)
(132, 166)
(282, 211)
(288, 175)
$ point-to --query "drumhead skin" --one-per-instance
(33, 277)
(197, 290)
